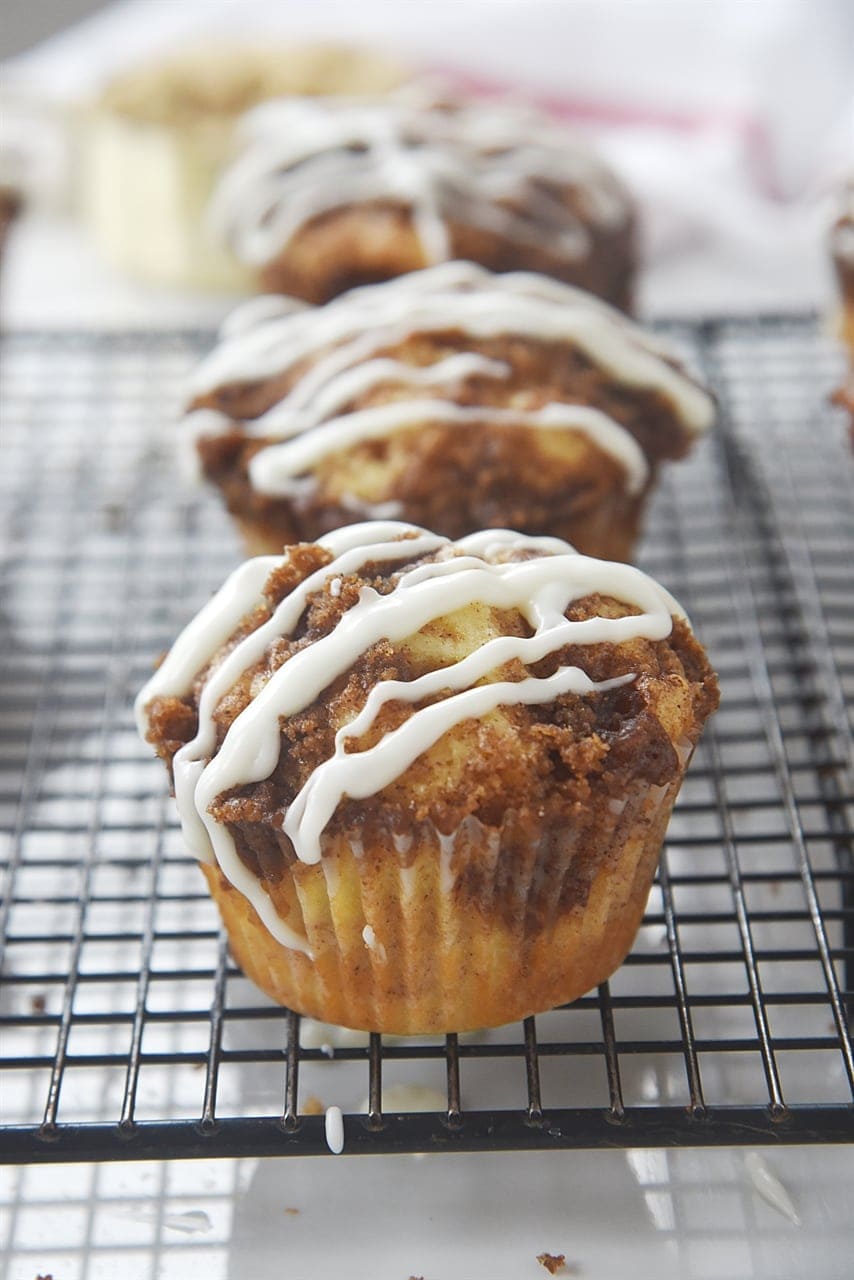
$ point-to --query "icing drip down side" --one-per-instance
(339, 348)
(538, 577)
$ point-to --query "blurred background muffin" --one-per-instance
(330, 193)
(452, 397)
(157, 137)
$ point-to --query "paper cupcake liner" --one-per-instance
(455, 932)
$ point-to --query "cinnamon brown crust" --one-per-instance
(375, 241)
(453, 480)
(540, 768)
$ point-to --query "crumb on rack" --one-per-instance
(553, 1262)
(313, 1106)
(38, 1003)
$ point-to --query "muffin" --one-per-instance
(329, 194)
(428, 781)
(842, 249)
(450, 397)
(157, 139)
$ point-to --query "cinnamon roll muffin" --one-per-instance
(450, 397)
(428, 781)
(328, 194)
(156, 140)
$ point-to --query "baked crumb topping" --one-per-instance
(521, 768)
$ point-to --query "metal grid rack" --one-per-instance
(127, 1032)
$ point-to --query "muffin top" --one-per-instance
(501, 167)
(323, 396)
(385, 677)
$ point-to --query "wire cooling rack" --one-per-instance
(126, 1030)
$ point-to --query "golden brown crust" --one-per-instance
(573, 221)
(456, 480)
(375, 241)
(540, 767)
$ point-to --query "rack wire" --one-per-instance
(127, 1032)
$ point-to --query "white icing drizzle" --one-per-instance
(342, 342)
(302, 409)
(770, 1188)
(482, 568)
(480, 164)
(275, 470)
(217, 621)
(461, 297)
(373, 943)
(257, 311)
(334, 1127)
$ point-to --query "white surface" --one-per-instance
(54, 279)
(667, 1215)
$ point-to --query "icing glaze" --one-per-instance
(373, 943)
(276, 470)
(491, 166)
(334, 1129)
(339, 347)
(435, 577)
